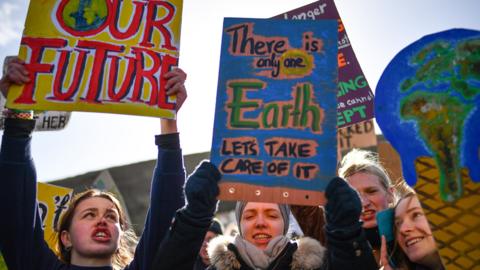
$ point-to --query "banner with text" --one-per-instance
(101, 56)
(355, 98)
(52, 202)
(275, 122)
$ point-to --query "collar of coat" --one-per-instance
(310, 254)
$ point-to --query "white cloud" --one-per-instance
(11, 24)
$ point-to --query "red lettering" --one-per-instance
(134, 24)
(101, 51)
(142, 73)
(37, 47)
(60, 75)
(341, 60)
(168, 63)
(127, 81)
(341, 28)
(151, 23)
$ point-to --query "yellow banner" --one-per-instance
(99, 55)
(52, 202)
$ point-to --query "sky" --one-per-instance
(377, 29)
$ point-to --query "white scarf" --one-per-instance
(257, 258)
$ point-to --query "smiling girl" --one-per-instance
(415, 247)
(262, 242)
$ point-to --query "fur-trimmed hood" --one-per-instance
(309, 255)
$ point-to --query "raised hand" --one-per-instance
(14, 72)
(202, 190)
(343, 208)
(176, 85)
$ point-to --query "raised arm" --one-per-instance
(21, 235)
(180, 248)
(166, 195)
(347, 245)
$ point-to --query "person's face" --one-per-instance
(260, 223)
(203, 250)
(94, 232)
(413, 233)
(373, 195)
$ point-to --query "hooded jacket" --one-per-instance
(305, 253)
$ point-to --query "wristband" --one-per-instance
(19, 114)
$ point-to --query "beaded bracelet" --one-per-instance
(19, 114)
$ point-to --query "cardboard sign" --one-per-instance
(46, 121)
(275, 122)
(427, 103)
(359, 135)
(355, 98)
(101, 56)
(52, 202)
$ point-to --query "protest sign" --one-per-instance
(275, 123)
(101, 56)
(427, 105)
(52, 202)
(358, 135)
(355, 98)
(46, 120)
(428, 96)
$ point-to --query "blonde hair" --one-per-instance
(128, 240)
(364, 161)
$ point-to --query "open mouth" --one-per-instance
(413, 241)
(261, 236)
(101, 235)
(368, 214)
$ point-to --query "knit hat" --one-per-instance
(284, 211)
(216, 227)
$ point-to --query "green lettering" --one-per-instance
(238, 104)
(266, 113)
(306, 108)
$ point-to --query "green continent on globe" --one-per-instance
(449, 70)
(85, 15)
(440, 119)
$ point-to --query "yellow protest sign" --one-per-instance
(99, 55)
(52, 202)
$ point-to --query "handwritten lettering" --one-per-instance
(278, 167)
(244, 42)
(354, 84)
(345, 135)
(144, 18)
(299, 113)
(347, 115)
(143, 72)
(290, 148)
(305, 171)
(242, 166)
(240, 146)
(310, 14)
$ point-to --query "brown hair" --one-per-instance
(128, 240)
(400, 258)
